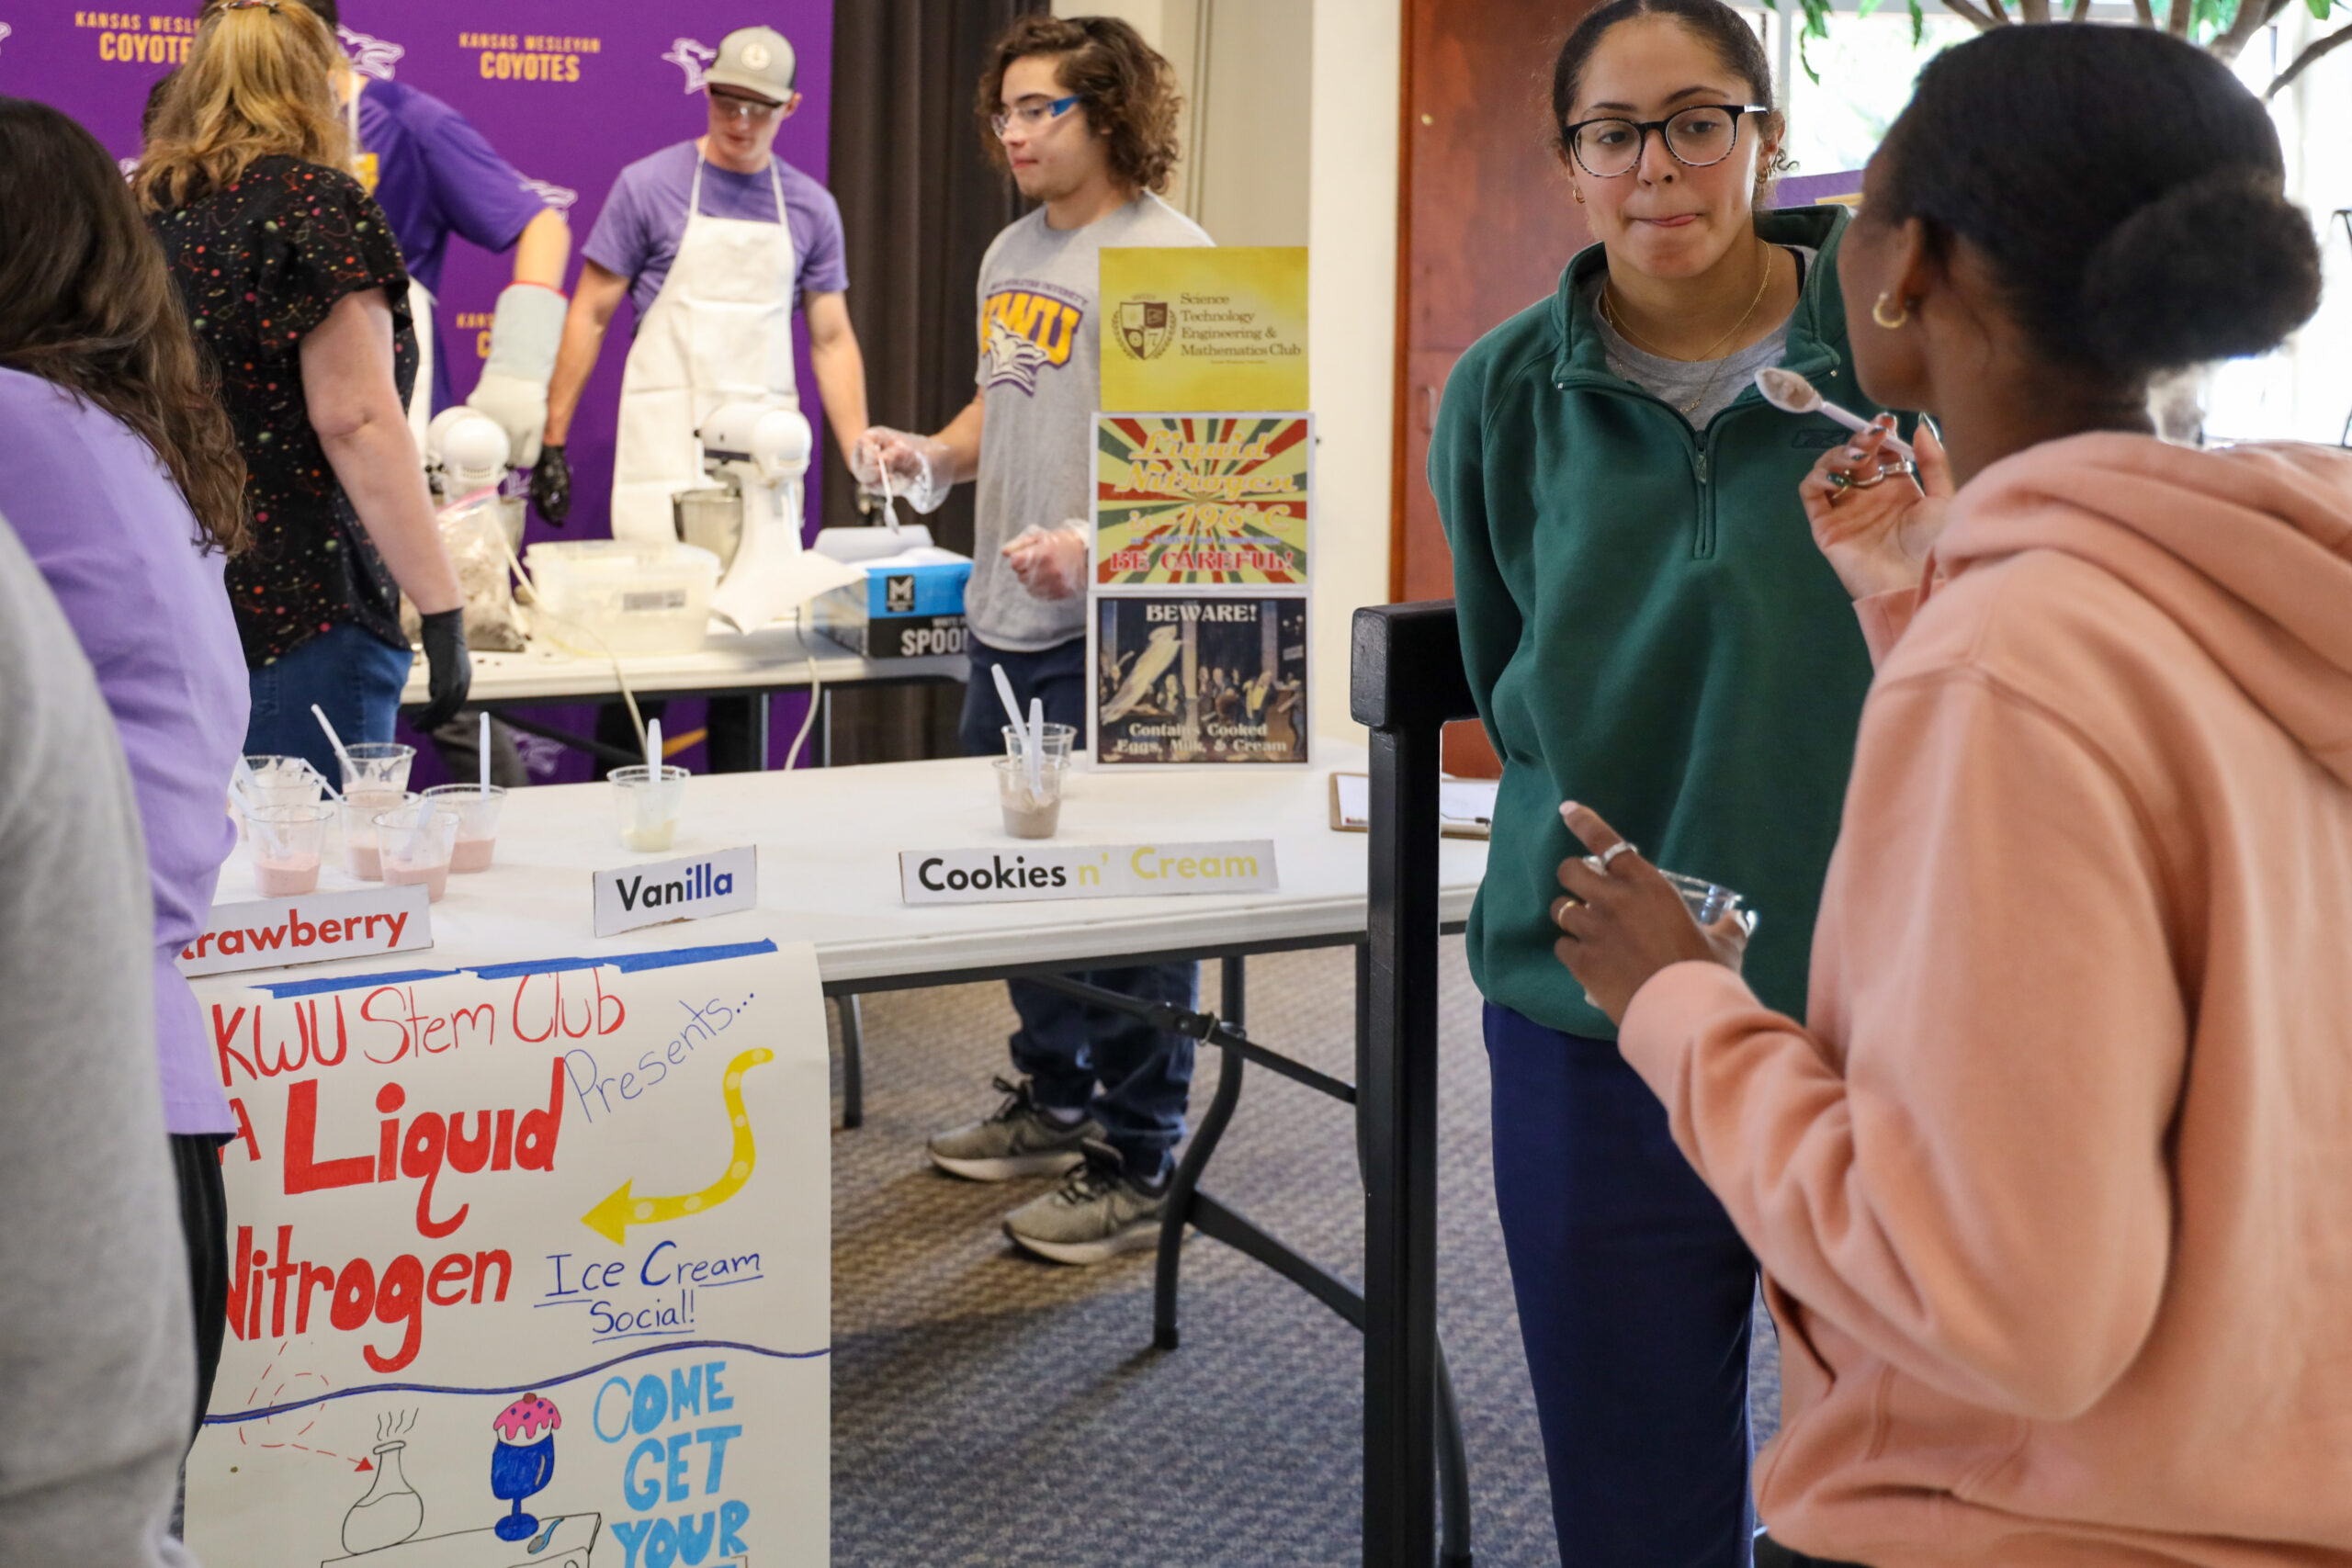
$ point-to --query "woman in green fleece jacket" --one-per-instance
(1648, 629)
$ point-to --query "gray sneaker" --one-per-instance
(1098, 1213)
(1019, 1140)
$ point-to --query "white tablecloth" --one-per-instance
(829, 841)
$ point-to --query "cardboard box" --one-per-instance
(909, 606)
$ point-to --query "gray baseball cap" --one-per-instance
(755, 60)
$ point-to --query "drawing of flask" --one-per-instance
(390, 1513)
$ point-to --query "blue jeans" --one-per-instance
(352, 675)
(1133, 1078)
(1633, 1297)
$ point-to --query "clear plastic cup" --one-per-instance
(648, 805)
(282, 781)
(1060, 739)
(1031, 813)
(415, 841)
(360, 856)
(477, 806)
(287, 843)
(1708, 901)
(380, 766)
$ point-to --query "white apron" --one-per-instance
(420, 401)
(720, 332)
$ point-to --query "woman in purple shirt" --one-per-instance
(121, 473)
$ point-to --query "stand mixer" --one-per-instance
(761, 451)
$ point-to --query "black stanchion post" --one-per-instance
(1407, 683)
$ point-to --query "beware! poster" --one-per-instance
(1183, 681)
(1202, 499)
(529, 1265)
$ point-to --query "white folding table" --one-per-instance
(828, 840)
(779, 658)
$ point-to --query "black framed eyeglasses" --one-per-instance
(1697, 136)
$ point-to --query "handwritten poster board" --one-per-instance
(1187, 500)
(530, 1266)
(1220, 327)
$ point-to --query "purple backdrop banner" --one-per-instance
(569, 91)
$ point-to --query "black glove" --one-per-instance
(551, 486)
(451, 669)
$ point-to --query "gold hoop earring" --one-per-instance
(1577, 193)
(1877, 313)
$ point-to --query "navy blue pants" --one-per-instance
(1634, 1296)
(1133, 1078)
(353, 674)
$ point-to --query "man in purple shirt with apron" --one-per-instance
(715, 242)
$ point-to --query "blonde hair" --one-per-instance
(259, 82)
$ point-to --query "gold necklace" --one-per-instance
(1617, 325)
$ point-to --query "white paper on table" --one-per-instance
(1465, 807)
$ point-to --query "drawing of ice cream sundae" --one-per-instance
(523, 1461)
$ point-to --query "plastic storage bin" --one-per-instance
(611, 596)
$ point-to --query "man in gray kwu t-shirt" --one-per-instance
(1085, 122)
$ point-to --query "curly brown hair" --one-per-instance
(1128, 86)
(87, 302)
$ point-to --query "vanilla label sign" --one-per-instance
(690, 889)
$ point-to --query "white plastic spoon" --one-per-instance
(333, 738)
(1036, 748)
(485, 755)
(1792, 393)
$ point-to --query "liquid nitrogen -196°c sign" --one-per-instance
(1039, 871)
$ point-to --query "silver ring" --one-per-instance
(1879, 478)
(1621, 847)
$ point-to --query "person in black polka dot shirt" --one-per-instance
(270, 244)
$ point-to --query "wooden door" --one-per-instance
(1485, 224)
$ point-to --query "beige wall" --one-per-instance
(1297, 145)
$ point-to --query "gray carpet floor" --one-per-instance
(998, 1412)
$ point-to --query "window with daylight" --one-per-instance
(1861, 76)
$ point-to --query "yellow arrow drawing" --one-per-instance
(613, 1216)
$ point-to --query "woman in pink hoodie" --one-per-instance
(2053, 1185)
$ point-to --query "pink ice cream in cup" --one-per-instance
(524, 1460)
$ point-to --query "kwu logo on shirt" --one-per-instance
(1025, 331)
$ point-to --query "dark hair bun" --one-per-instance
(2220, 267)
(2150, 233)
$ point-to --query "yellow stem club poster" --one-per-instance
(1216, 327)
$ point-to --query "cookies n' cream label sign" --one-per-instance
(1045, 870)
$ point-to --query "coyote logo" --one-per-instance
(1014, 358)
(555, 196)
(370, 56)
(692, 58)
